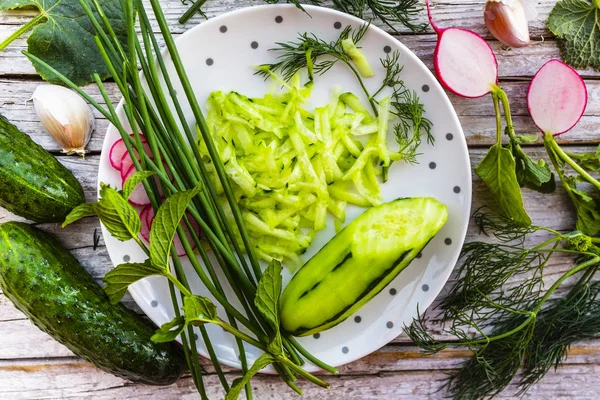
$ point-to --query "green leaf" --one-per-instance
(118, 279)
(118, 216)
(521, 139)
(64, 37)
(576, 23)
(267, 302)
(588, 161)
(134, 180)
(169, 331)
(165, 224)
(588, 215)
(260, 363)
(497, 171)
(199, 310)
(536, 176)
(81, 211)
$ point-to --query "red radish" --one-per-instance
(138, 197)
(149, 218)
(127, 162)
(145, 231)
(557, 98)
(118, 150)
(464, 63)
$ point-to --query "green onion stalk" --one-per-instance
(180, 168)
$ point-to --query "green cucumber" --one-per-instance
(358, 263)
(33, 184)
(47, 283)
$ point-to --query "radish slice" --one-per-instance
(138, 197)
(118, 150)
(127, 162)
(557, 98)
(149, 217)
(464, 62)
(145, 231)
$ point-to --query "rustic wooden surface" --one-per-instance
(32, 365)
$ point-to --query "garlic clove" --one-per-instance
(506, 20)
(66, 116)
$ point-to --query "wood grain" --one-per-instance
(33, 365)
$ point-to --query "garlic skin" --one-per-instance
(66, 117)
(506, 20)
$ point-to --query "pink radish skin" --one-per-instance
(118, 150)
(464, 63)
(557, 98)
(149, 219)
(138, 197)
(145, 231)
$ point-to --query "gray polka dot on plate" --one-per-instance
(126, 258)
(357, 319)
(223, 29)
(448, 241)
(432, 165)
(154, 303)
(254, 45)
(387, 49)
(449, 136)
(425, 88)
(345, 350)
(456, 189)
(317, 335)
(425, 287)
(393, 291)
(419, 255)
(279, 19)
(195, 336)
(210, 61)
(390, 325)
(337, 25)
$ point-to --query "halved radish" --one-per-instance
(464, 63)
(557, 98)
(138, 197)
(149, 217)
(118, 150)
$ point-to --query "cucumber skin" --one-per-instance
(33, 184)
(49, 285)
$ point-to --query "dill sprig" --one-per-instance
(511, 327)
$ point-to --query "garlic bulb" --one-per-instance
(505, 19)
(66, 117)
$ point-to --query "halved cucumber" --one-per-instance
(358, 263)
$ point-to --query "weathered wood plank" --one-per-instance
(72, 379)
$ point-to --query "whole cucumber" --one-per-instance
(358, 263)
(47, 283)
(33, 184)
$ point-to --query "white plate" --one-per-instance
(219, 54)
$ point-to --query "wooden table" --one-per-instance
(33, 365)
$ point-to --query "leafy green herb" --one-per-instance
(169, 331)
(134, 180)
(260, 363)
(63, 37)
(199, 310)
(514, 323)
(267, 302)
(165, 224)
(576, 23)
(497, 171)
(117, 280)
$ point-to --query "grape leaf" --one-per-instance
(63, 37)
(576, 23)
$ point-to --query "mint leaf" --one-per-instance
(81, 211)
(576, 24)
(169, 331)
(118, 279)
(134, 180)
(497, 171)
(64, 37)
(199, 310)
(165, 224)
(260, 363)
(118, 216)
(267, 302)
